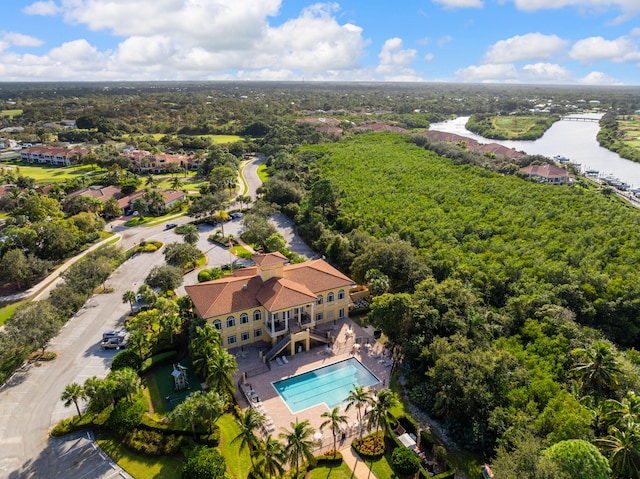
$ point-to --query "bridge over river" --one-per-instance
(579, 118)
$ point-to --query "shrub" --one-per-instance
(158, 360)
(125, 416)
(153, 443)
(371, 445)
(404, 461)
(204, 463)
(127, 358)
(329, 458)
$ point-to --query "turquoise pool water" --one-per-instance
(329, 385)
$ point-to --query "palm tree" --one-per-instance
(220, 369)
(360, 398)
(623, 448)
(212, 407)
(127, 382)
(72, 394)
(221, 216)
(249, 421)
(628, 408)
(334, 421)
(243, 199)
(379, 416)
(189, 412)
(298, 445)
(129, 297)
(176, 183)
(271, 456)
(190, 234)
(598, 367)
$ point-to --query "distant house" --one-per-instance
(105, 193)
(549, 174)
(474, 145)
(146, 162)
(52, 155)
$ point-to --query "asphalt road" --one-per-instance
(30, 401)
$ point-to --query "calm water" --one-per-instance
(329, 384)
(572, 139)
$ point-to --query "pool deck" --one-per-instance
(278, 415)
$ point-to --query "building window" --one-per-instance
(330, 298)
(231, 339)
(244, 318)
(257, 315)
(276, 316)
(244, 336)
(257, 333)
(319, 301)
(217, 324)
(319, 317)
(341, 294)
(341, 313)
(231, 322)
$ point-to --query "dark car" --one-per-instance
(170, 226)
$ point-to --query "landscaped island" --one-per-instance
(511, 127)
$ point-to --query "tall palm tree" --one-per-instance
(190, 234)
(334, 421)
(212, 407)
(379, 416)
(360, 398)
(622, 445)
(176, 183)
(129, 297)
(598, 367)
(250, 421)
(189, 412)
(628, 408)
(270, 456)
(220, 369)
(73, 393)
(298, 445)
(127, 382)
(221, 216)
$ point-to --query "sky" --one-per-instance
(581, 42)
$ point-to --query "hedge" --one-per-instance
(158, 360)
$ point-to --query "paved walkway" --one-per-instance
(356, 464)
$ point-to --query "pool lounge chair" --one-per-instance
(284, 359)
(278, 361)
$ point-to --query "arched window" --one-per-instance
(341, 294)
(320, 299)
(217, 324)
(257, 315)
(231, 322)
(244, 318)
(329, 297)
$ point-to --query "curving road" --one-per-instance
(30, 400)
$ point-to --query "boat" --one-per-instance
(486, 472)
(561, 159)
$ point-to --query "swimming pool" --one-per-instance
(329, 385)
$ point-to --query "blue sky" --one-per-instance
(515, 41)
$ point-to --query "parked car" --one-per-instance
(114, 333)
(235, 216)
(170, 226)
(114, 343)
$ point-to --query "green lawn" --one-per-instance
(7, 311)
(334, 472)
(139, 466)
(262, 172)
(51, 174)
(10, 113)
(238, 462)
(381, 468)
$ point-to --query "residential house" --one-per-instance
(549, 174)
(52, 155)
(274, 301)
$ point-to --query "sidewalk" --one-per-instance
(352, 459)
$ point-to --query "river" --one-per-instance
(575, 140)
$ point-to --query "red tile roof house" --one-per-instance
(145, 162)
(52, 155)
(274, 301)
(104, 193)
(549, 174)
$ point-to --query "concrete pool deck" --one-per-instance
(260, 378)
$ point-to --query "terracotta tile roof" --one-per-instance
(300, 285)
(269, 258)
(546, 171)
(281, 293)
(172, 195)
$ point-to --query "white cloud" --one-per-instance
(622, 49)
(42, 8)
(20, 40)
(442, 41)
(395, 61)
(460, 3)
(628, 8)
(487, 73)
(598, 78)
(531, 46)
(429, 57)
(545, 73)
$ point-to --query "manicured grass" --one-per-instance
(52, 174)
(240, 250)
(10, 113)
(191, 182)
(139, 466)
(381, 468)
(238, 462)
(400, 409)
(7, 311)
(334, 472)
(262, 172)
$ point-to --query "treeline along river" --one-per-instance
(575, 140)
